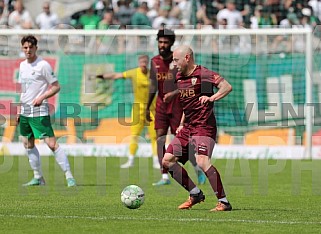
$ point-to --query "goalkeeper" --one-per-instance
(140, 82)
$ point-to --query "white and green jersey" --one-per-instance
(35, 79)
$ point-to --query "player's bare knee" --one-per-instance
(51, 143)
(52, 146)
(203, 161)
(168, 160)
(28, 145)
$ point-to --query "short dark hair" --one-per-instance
(167, 33)
(31, 39)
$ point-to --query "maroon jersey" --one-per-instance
(200, 83)
(164, 73)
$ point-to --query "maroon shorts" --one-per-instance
(168, 115)
(190, 141)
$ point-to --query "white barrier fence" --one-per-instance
(121, 150)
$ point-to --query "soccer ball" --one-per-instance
(132, 196)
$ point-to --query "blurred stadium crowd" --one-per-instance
(183, 13)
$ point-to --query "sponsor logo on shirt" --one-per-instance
(185, 93)
(164, 76)
(193, 80)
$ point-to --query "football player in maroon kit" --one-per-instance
(168, 109)
(197, 132)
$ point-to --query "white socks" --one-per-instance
(195, 191)
(155, 160)
(131, 159)
(165, 176)
(34, 161)
(62, 160)
(223, 200)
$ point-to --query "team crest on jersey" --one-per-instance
(194, 79)
(171, 66)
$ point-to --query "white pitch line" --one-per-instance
(158, 219)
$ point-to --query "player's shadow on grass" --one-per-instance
(258, 209)
(234, 209)
(209, 208)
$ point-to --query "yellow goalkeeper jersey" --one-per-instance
(140, 83)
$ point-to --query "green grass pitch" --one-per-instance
(268, 196)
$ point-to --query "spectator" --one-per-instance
(107, 20)
(210, 9)
(124, 12)
(10, 5)
(305, 18)
(202, 18)
(46, 19)
(101, 6)
(281, 41)
(262, 18)
(255, 18)
(291, 20)
(312, 20)
(316, 6)
(140, 20)
(154, 10)
(284, 8)
(104, 43)
(183, 11)
(140, 17)
(3, 14)
(164, 18)
(221, 43)
(89, 20)
(273, 6)
(246, 14)
(231, 14)
(150, 3)
(20, 18)
(207, 43)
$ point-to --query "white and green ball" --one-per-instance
(132, 196)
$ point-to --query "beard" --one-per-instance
(165, 53)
